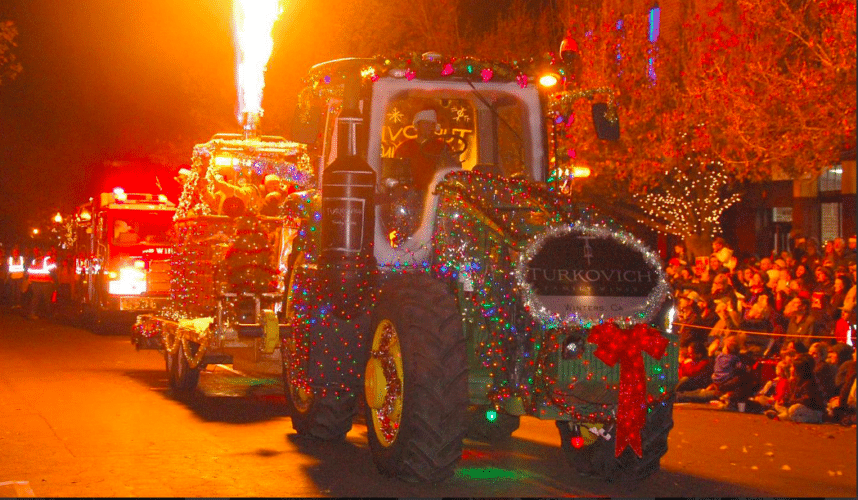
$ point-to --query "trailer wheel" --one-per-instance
(320, 416)
(416, 381)
(183, 379)
(490, 431)
(598, 459)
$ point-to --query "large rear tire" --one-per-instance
(325, 416)
(416, 381)
(599, 460)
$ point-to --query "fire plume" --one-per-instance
(253, 22)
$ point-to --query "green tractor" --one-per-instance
(449, 308)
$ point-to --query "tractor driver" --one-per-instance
(426, 150)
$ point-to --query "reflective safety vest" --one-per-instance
(40, 270)
(16, 269)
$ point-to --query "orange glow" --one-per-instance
(253, 21)
(548, 80)
(392, 237)
(581, 171)
(58, 218)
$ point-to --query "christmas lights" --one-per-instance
(691, 201)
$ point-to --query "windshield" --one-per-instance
(483, 130)
(140, 228)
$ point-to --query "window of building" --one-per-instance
(781, 214)
(831, 216)
(831, 179)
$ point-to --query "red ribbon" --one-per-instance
(625, 345)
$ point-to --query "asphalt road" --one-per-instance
(83, 415)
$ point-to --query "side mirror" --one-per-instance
(607, 126)
(306, 125)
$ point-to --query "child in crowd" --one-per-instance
(823, 371)
(774, 391)
(695, 371)
(729, 376)
(804, 402)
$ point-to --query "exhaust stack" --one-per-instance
(250, 123)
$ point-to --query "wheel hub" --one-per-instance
(375, 384)
(384, 382)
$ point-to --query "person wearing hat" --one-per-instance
(726, 325)
(688, 317)
(425, 150)
(672, 270)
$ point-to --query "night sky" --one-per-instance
(136, 84)
(139, 82)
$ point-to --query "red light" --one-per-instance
(576, 440)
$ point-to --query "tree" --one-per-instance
(758, 90)
(9, 65)
(791, 107)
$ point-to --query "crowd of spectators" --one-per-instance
(774, 335)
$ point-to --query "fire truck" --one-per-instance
(122, 256)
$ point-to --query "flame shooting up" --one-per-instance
(253, 22)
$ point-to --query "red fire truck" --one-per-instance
(122, 256)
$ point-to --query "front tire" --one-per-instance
(326, 416)
(598, 459)
(416, 381)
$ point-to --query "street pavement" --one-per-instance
(86, 415)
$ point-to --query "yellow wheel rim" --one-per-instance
(384, 383)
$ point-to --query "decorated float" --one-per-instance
(447, 291)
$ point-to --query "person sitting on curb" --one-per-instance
(774, 391)
(841, 408)
(727, 375)
(804, 402)
(695, 372)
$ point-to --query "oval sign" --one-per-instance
(579, 275)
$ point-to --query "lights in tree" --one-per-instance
(691, 201)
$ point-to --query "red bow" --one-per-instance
(625, 345)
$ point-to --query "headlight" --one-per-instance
(130, 281)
